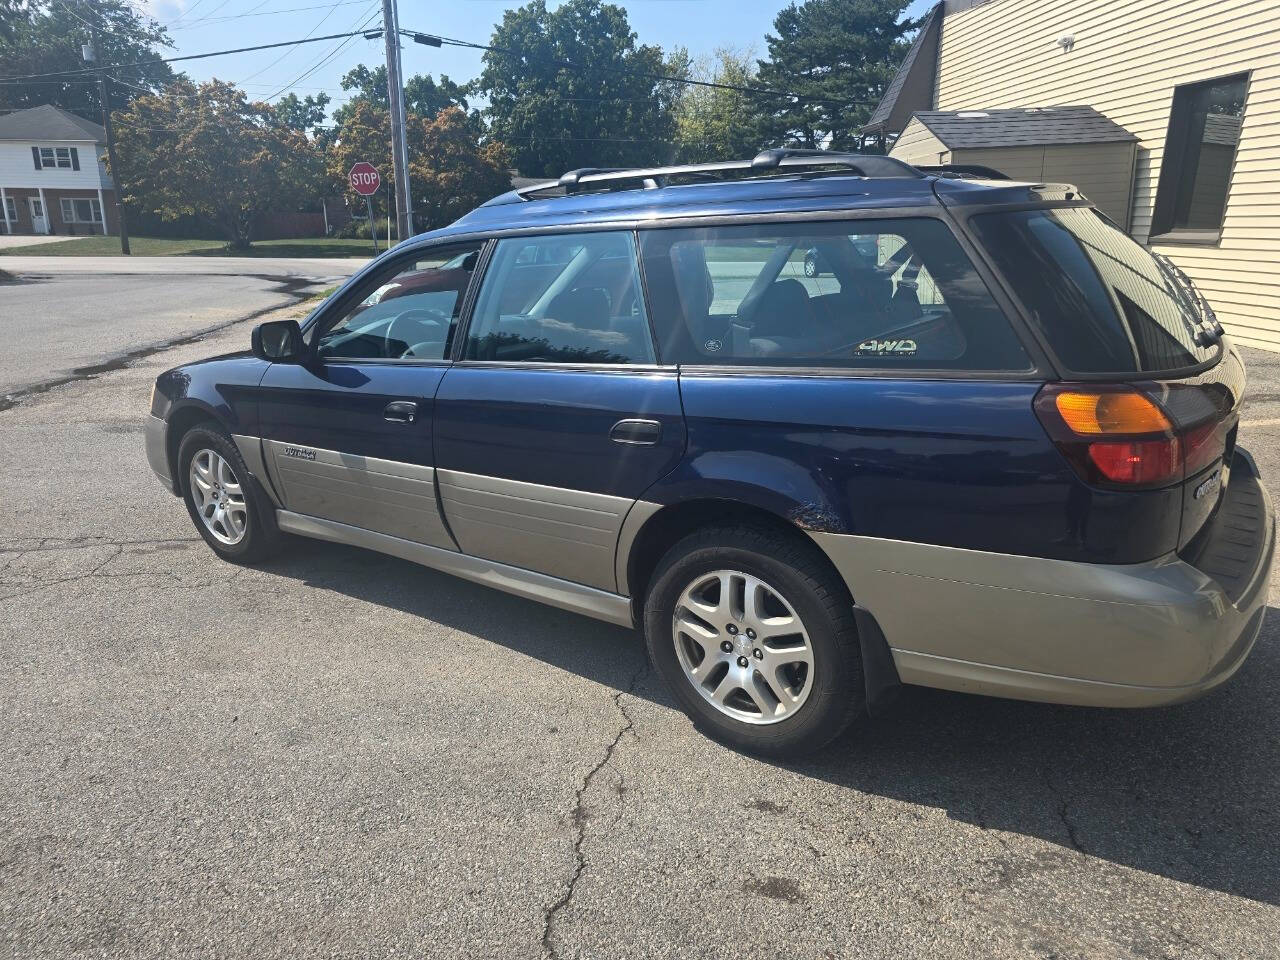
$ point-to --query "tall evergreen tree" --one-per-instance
(838, 56)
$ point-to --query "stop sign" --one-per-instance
(364, 179)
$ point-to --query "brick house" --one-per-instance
(53, 178)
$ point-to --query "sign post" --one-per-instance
(364, 180)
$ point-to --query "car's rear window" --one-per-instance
(1103, 302)
(886, 294)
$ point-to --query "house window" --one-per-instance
(81, 211)
(1200, 149)
(11, 209)
(53, 158)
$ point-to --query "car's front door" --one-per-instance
(557, 416)
(347, 435)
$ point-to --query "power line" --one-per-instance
(192, 23)
(254, 12)
(314, 28)
(324, 59)
(430, 39)
(192, 56)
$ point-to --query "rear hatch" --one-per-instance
(1150, 390)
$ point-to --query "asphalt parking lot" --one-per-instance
(342, 754)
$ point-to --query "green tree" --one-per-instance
(717, 124)
(606, 110)
(838, 56)
(208, 152)
(422, 94)
(304, 114)
(450, 172)
(37, 36)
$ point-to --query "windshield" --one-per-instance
(1104, 303)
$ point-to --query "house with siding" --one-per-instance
(1195, 83)
(53, 178)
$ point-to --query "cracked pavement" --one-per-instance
(344, 754)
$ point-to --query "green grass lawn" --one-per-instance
(159, 247)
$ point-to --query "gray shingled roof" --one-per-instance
(1023, 127)
(47, 122)
(915, 76)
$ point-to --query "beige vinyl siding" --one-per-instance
(1127, 59)
(918, 145)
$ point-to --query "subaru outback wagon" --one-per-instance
(989, 447)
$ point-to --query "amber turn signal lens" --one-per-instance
(1100, 414)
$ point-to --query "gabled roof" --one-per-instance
(911, 88)
(1022, 127)
(47, 122)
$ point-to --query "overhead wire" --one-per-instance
(186, 57)
(314, 28)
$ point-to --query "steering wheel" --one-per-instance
(394, 347)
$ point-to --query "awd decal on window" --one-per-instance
(302, 453)
(880, 348)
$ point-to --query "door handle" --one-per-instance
(646, 432)
(401, 411)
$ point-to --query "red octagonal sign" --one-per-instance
(364, 179)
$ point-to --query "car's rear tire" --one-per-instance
(229, 510)
(810, 265)
(782, 674)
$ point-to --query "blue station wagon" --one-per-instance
(819, 424)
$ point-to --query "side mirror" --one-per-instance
(279, 341)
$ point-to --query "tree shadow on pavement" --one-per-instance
(1191, 792)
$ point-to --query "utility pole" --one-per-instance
(104, 94)
(395, 96)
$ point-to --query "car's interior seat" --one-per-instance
(694, 290)
(587, 308)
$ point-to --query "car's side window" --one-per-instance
(406, 312)
(895, 293)
(562, 299)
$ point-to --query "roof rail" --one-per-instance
(864, 164)
(571, 178)
(779, 159)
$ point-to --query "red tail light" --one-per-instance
(1118, 435)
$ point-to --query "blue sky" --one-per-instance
(197, 26)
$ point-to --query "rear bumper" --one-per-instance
(1127, 635)
(155, 434)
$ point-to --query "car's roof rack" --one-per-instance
(963, 171)
(764, 163)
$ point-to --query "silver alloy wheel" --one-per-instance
(218, 497)
(743, 647)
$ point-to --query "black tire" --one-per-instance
(799, 571)
(262, 538)
(810, 265)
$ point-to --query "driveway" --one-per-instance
(13, 242)
(70, 318)
(344, 754)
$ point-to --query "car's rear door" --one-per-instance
(556, 416)
(347, 434)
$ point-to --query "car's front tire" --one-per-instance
(754, 633)
(228, 509)
(811, 265)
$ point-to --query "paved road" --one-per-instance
(69, 318)
(342, 754)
